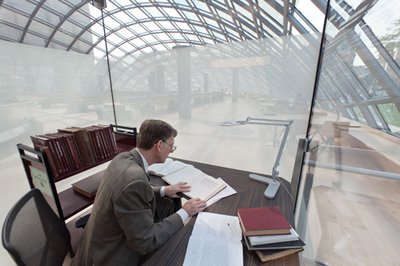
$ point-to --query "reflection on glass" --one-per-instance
(349, 189)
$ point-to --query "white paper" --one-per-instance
(215, 240)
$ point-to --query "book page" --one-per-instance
(173, 167)
(202, 185)
(225, 192)
(215, 240)
(168, 167)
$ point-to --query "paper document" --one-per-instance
(215, 240)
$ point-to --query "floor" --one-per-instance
(350, 215)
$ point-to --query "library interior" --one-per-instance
(302, 93)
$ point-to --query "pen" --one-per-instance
(234, 232)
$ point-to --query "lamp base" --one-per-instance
(273, 185)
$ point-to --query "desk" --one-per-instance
(249, 194)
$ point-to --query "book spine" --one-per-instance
(95, 146)
(76, 158)
(56, 154)
(61, 153)
(39, 142)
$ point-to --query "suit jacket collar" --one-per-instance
(136, 156)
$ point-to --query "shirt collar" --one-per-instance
(145, 164)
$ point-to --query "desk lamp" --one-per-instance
(273, 183)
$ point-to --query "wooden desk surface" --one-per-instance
(249, 194)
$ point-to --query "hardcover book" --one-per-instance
(88, 186)
(280, 245)
(268, 255)
(83, 144)
(269, 239)
(263, 221)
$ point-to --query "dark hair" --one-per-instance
(152, 131)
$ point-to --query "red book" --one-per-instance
(263, 221)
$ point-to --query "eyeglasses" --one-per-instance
(173, 147)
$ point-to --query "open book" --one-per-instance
(168, 167)
(202, 185)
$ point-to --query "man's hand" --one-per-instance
(194, 206)
(171, 191)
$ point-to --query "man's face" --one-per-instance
(167, 147)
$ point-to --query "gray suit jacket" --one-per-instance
(121, 228)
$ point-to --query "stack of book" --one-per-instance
(74, 148)
(266, 231)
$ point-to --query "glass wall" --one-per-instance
(217, 68)
(348, 212)
(196, 89)
(193, 88)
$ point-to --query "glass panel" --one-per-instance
(376, 115)
(312, 13)
(137, 13)
(42, 90)
(47, 16)
(40, 28)
(126, 47)
(150, 26)
(149, 38)
(24, 6)
(138, 42)
(34, 39)
(225, 82)
(154, 12)
(110, 22)
(80, 18)
(167, 25)
(200, 5)
(13, 18)
(349, 195)
(129, 34)
(114, 38)
(12, 33)
(62, 37)
(58, 6)
(392, 116)
(183, 26)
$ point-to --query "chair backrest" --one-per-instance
(33, 234)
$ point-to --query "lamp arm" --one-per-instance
(273, 122)
(273, 183)
(275, 171)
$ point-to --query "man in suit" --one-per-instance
(131, 218)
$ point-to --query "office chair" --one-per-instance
(33, 234)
